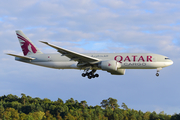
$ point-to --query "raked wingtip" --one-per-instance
(44, 42)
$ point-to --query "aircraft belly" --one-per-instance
(57, 65)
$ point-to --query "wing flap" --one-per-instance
(73, 55)
(23, 57)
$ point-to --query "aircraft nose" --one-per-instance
(169, 63)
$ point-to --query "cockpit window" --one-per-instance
(167, 58)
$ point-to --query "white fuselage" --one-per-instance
(114, 63)
(127, 60)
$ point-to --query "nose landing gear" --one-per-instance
(157, 74)
(90, 74)
(158, 69)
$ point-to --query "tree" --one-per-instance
(70, 101)
(113, 103)
(139, 117)
(1, 111)
(11, 97)
(27, 108)
(124, 106)
(48, 116)
(69, 117)
(86, 115)
(29, 117)
(22, 116)
(115, 116)
(29, 98)
(11, 113)
(153, 116)
(23, 98)
(46, 100)
(59, 102)
(58, 116)
(108, 113)
(84, 103)
(110, 102)
(39, 108)
(37, 115)
(104, 104)
(146, 116)
(98, 112)
(167, 117)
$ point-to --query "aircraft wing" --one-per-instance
(73, 55)
(23, 57)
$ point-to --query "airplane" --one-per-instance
(114, 63)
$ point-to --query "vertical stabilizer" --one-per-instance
(27, 46)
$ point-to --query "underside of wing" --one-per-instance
(23, 57)
(81, 58)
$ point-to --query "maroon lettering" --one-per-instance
(127, 58)
(118, 58)
(149, 58)
(134, 57)
(141, 58)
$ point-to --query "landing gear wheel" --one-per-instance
(83, 74)
(89, 77)
(96, 75)
(157, 74)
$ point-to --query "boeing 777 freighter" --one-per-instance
(114, 63)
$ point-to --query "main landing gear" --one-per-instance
(90, 74)
(158, 69)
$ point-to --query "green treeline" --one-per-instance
(25, 107)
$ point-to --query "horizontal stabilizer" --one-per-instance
(23, 57)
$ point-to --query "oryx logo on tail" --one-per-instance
(26, 45)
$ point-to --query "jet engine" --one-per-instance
(118, 72)
(112, 67)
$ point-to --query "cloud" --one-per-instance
(101, 21)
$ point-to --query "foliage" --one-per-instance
(27, 108)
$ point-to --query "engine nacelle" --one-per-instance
(112, 67)
(118, 72)
(109, 65)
